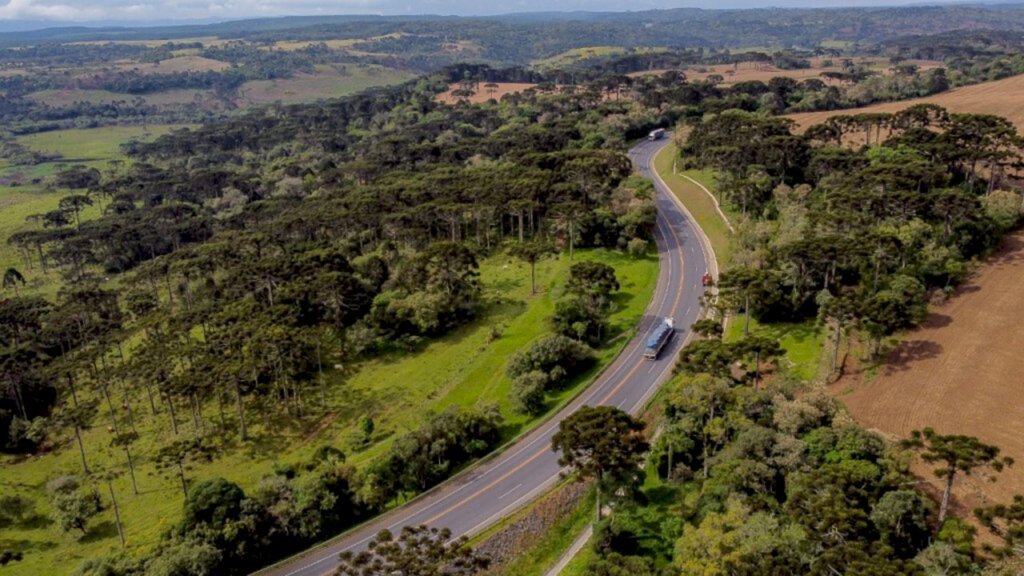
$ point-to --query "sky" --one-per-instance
(136, 11)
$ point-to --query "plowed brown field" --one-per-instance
(1001, 97)
(962, 372)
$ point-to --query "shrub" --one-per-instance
(556, 356)
(637, 247)
(73, 506)
(212, 503)
(528, 392)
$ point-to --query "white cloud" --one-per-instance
(35, 10)
(90, 10)
(140, 10)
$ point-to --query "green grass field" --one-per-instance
(804, 343)
(63, 98)
(92, 144)
(464, 368)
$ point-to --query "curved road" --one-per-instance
(494, 488)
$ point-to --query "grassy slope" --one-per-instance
(463, 368)
(574, 55)
(63, 98)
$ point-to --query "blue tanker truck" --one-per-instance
(658, 337)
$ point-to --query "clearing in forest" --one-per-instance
(960, 373)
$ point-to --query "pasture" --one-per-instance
(329, 81)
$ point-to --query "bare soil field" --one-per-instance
(962, 372)
(484, 94)
(1001, 97)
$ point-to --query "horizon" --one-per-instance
(25, 15)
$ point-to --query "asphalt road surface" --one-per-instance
(500, 485)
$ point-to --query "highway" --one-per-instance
(498, 486)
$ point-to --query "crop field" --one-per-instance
(762, 72)
(330, 81)
(960, 373)
(464, 368)
(1000, 97)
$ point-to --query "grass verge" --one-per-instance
(696, 200)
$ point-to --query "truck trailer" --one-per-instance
(656, 134)
(658, 337)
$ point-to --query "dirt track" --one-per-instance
(963, 372)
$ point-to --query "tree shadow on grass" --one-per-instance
(101, 531)
(35, 522)
(26, 546)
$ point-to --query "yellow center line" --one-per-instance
(463, 502)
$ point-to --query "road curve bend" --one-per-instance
(494, 488)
